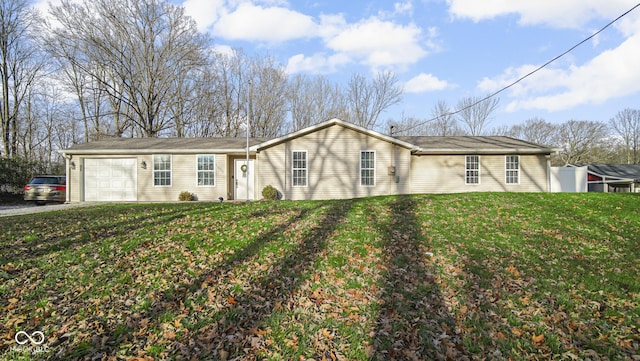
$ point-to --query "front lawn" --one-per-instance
(447, 277)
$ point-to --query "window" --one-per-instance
(162, 170)
(299, 168)
(472, 169)
(512, 169)
(206, 170)
(367, 168)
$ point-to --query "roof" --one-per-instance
(619, 171)
(167, 145)
(474, 145)
(417, 144)
(331, 122)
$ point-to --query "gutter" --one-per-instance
(148, 151)
(473, 151)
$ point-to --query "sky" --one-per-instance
(447, 50)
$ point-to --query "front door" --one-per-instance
(244, 177)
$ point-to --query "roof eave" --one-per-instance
(150, 151)
(479, 151)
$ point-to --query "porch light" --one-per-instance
(143, 165)
(73, 165)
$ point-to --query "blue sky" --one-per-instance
(449, 49)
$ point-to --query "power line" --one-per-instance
(527, 75)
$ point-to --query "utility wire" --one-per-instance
(525, 76)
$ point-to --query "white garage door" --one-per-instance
(111, 179)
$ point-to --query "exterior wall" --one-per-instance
(569, 179)
(446, 174)
(73, 180)
(183, 178)
(333, 169)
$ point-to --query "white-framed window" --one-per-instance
(162, 170)
(472, 169)
(206, 169)
(512, 169)
(299, 168)
(368, 168)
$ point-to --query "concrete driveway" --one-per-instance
(30, 208)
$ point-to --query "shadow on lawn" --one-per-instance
(237, 334)
(232, 329)
(413, 321)
(86, 230)
(83, 232)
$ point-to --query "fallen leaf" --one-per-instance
(224, 355)
(537, 338)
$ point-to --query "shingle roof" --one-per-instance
(622, 171)
(417, 144)
(473, 144)
(172, 145)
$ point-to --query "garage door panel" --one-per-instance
(110, 179)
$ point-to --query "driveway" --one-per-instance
(30, 208)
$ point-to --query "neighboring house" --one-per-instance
(613, 177)
(334, 159)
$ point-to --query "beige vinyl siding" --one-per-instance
(183, 178)
(446, 174)
(73, 180)
(333, 163)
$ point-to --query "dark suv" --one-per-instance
(46, 188)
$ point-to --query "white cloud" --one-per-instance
(224, 49)
(43, 5)
(331, 25)
(425, 82)
(562, 14)
(319, 63)
(204, 12)
(403, 7)
(374, 42)
(379, 43)
(269, 24)
(611, 74)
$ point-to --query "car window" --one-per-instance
(45, 180)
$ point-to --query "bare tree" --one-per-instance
(139, 51)
(535, 130)
(266, 105)
(408, 126)
(368, 99)
(444, 123)
(226, 88)
(313, 100)
(20, 65)
(626, 124)
(580, 139)
(475, 113)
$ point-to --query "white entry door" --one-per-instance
(244, 178)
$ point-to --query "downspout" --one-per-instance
(548, 156)
(392, 175)
(67, 196)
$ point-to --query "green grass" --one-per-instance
(476, 276)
